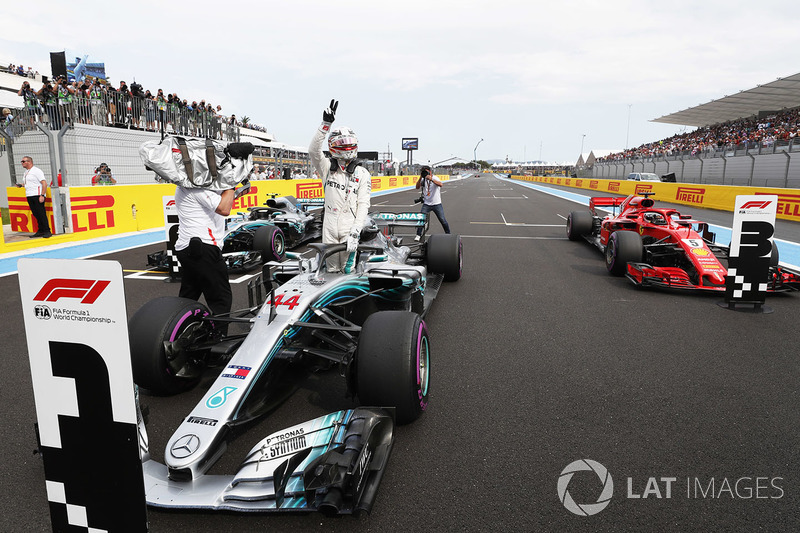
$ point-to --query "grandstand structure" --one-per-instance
(772, 159)
(71, 150)
(769, 98)
(69, 145)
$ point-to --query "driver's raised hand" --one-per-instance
(329, 115)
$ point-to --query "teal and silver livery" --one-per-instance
(367, 324)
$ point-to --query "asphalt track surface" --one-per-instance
(540, 358)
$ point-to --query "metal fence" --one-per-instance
(89, 133)
(757, 164)
(84, 148)
(78, 149)
(33, 142)
(38, 143)
(125, 111)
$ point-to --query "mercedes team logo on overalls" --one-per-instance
(585, 509)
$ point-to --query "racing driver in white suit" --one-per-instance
(347, 188)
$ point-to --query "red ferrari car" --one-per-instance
(657, 247)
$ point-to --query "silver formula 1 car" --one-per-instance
(252, 238)
(260, 235)
(369, 324)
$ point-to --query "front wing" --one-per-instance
(331, 464)
(781, 279)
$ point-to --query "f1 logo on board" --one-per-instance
(309, 190)
(755, 205)
(693, 195)
(86, 290)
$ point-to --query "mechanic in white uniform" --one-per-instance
(201, 229)
(347, 188)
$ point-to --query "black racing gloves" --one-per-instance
(329, 115)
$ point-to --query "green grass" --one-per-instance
(4, 212)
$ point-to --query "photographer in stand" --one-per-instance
(136, 108)
(47, 94)
(103, 176)
(31, 101)
(65, 94)
(431, 198)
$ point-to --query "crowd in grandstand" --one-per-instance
(19, 70)
(102, 104)
(783, 126)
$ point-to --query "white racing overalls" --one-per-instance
(347, 196)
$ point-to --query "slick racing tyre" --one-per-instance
(177, 322)
(623, 247)
(444, 254)
(393, 363)
(579, 223)
(269, 240)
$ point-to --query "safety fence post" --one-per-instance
(10, 150)
(58, 205)
(786, 173)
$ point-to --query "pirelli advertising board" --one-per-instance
(102, 211)
(720, 197)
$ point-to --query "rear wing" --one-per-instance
(394, 220)
(606, 201)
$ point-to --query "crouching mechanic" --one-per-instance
(347, 187)
(201, 229)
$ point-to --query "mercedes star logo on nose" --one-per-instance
(185, 446)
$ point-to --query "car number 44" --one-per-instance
(291, 302)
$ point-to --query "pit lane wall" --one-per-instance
(721, 197)
(110, 210)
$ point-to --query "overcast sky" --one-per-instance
(529, 79)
